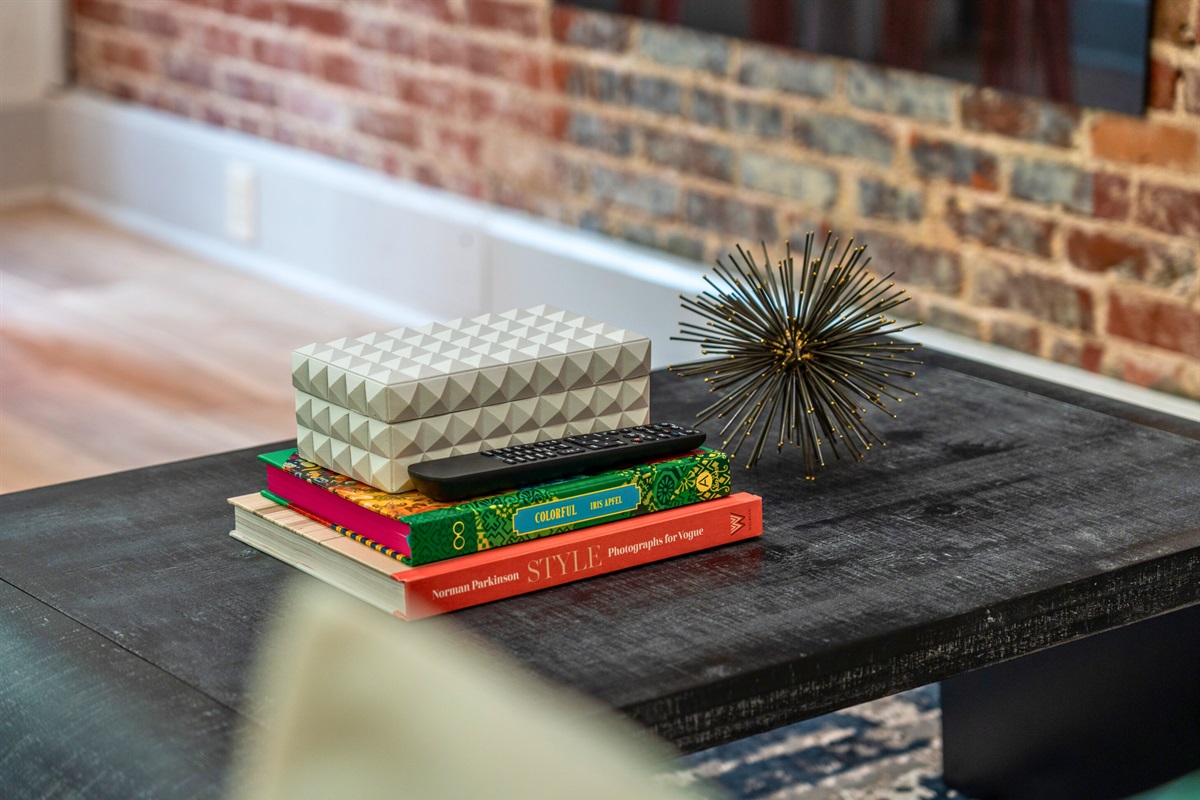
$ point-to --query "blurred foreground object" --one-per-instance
(364, 706)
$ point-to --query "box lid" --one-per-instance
(466, 363)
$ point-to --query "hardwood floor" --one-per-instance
(116, 352)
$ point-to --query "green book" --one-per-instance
(423, 530)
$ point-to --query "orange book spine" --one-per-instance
(542, 563)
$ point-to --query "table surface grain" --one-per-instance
(1006, 515)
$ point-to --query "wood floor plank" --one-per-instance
(117, 352)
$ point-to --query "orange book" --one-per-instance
(313, 546)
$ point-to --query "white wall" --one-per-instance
(31, 49)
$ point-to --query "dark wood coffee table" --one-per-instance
(1006, 516)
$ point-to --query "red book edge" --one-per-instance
(374, 526)
(530, 566)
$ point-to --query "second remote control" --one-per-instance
(505, 468)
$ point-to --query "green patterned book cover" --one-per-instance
(447, 531)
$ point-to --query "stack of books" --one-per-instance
(342, 505)
(414, 557)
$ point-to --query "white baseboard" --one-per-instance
(399, 250)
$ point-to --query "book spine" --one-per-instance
(630, 543)
(333, 526)
(571, 505)
(326, 505)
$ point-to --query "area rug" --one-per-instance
(887, 749)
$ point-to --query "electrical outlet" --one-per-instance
(241, 201)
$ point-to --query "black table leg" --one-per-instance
(1100, 718)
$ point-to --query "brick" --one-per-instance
(573, 79)
(611, 86)
(401, 40)
(1170, 210)
(429, 92)
(949, 318)
(1020, 117)
(1160, 87)
(188, 69)
(447, 50)
(590, 29)
(341, 69)
(731, 216)
(501, 62)
(439, 10)
(685, 246)
(655, 94)
(808, 183)
(1131, 258)
(1083, 353)
(1111, 198)
(105, 11)
(896, 92)
(596, 133)
(1047, 298)
(741, 116)
(222, 41)
(1121, 138)
(1161, 372)
(518, 18)
(154, 21)
(458, 147)
(325, 20)
(250, 89)
(638, 192)
(1191, 90)
(392, 127)
(305, 102)
(134, 57)
(842, 136)
(886, 201)
(913, 264)
(688, 155)
(680, 47)
(1171, 325)
(1053, 182)
(540, 120)
(957, 163)
(784, 71)
(799, 225)
(1172, 22)
(1016, 336)
(262, 10)
(622, 89)
(638, 234)
(1001, 228)
(288, 56)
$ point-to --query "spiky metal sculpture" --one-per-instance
(803, 353)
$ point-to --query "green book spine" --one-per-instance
(568, 505)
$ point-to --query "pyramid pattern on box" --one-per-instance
(391, 474)
(443, 368)
(415, 437)
(370, 407)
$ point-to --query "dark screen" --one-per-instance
(1082, 52)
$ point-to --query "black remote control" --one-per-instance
(494, 471)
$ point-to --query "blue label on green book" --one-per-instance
(556, 513)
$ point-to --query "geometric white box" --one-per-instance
(391, 473)
(442, 368)
(469, 427)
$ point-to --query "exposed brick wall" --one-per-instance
(1068, 233)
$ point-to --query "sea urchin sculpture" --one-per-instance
(801, 353)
